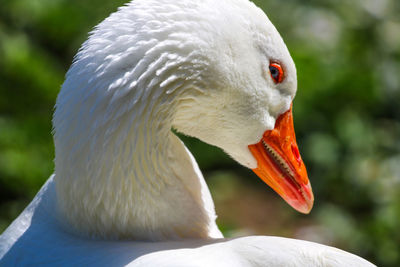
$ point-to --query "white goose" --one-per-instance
(216, 70)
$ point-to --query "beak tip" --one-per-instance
(307, 206)
(303, 203)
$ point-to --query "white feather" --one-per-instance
(121, 174)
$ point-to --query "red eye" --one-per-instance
(276, 72)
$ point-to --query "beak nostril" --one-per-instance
(296, 153)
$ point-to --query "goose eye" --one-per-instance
(276, 72)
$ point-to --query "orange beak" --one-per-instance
(280, 165)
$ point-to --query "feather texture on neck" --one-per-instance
(120, 171)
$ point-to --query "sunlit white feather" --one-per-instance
(198, 66)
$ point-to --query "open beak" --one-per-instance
(280, 164)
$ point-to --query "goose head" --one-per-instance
(247, 107)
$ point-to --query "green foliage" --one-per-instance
(347, 114)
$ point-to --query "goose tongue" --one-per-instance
(280, 165)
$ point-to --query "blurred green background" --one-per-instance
(347, 118)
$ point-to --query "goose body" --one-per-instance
(126, 191)
(35, 239)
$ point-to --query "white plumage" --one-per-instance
(121, 174)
